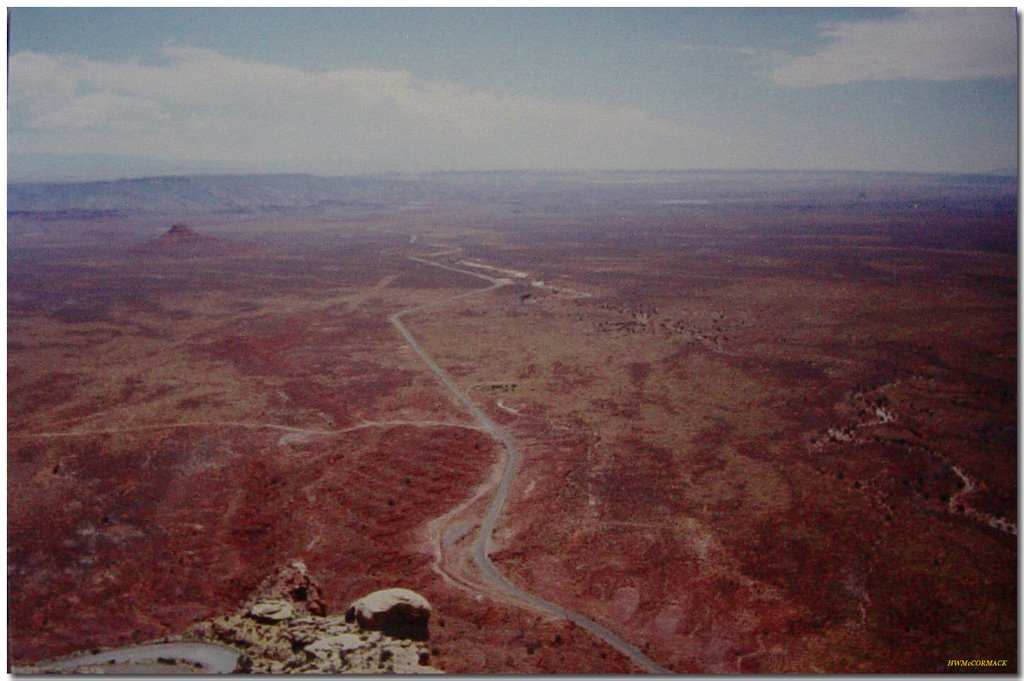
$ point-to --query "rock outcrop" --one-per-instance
(180, 241)
(395, 612)
(271, 612)
(283, 628)
(292, 584)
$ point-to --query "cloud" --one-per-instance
(921, 44)
(199, 105)
(715, 49)
(100, 110)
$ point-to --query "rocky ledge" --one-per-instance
(284, 628)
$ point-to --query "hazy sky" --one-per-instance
(117, 92)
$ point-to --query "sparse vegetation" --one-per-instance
(764, 440)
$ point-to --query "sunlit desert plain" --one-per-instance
(764, 422)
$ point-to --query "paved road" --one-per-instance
(210, 657)
(481, 546)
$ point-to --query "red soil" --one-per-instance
(172, 527)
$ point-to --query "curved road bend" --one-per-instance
(481, 546)
(211, 657)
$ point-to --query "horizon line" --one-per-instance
(996, 173)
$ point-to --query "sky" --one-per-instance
(105, 93)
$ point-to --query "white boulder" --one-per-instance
(399, 613)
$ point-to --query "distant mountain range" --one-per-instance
(231, 193)
(254, 193)
(259, 193)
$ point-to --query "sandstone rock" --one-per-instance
(272, 611)
(278, 636)
(399, 613)
(343, 642)
(292, 583)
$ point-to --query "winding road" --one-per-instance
(482, 543)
